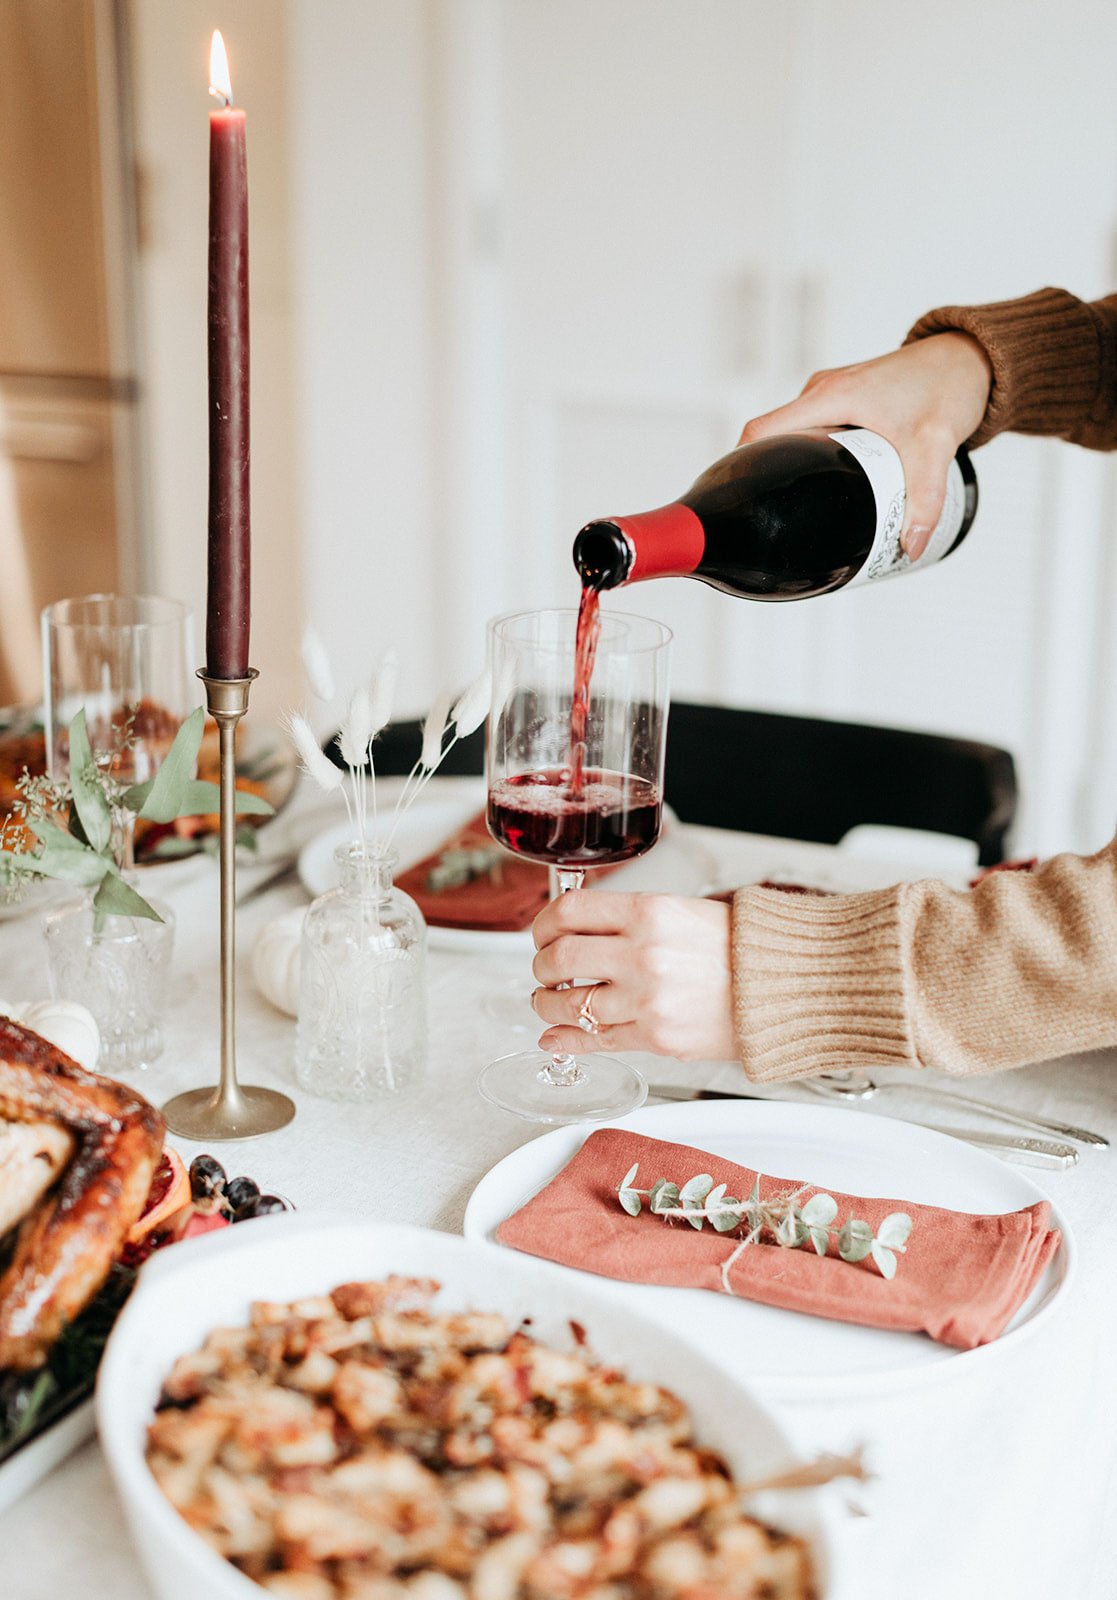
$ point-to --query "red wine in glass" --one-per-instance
(574, 782)
(611, 817)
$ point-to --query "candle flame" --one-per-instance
(220, 85)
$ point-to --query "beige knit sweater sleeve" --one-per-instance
(1024, 967)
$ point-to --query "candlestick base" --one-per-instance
(231, 1110)
(207, 1114)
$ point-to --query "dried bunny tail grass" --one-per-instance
(316, 663)
(434, 729)
(315, 763)
(382, 692)
(472, 707)
(356, 730)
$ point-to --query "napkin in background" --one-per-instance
(961, 1281)
(506, 901)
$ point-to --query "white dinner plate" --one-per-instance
(795, 1356)
(675, 865)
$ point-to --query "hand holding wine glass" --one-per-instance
(663, 964)
(575, 770)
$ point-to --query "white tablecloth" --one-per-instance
(997, 1481)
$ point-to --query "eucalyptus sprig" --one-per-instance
(790, 1223)
(77, 825)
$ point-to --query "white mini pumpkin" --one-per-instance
(275, 960)
(66, 1024)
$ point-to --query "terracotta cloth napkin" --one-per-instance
(506, 903)
(961, 1280)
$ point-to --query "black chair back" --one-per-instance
(807, 778)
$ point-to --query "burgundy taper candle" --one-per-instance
(228, 604)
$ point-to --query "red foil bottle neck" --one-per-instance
(666, 543)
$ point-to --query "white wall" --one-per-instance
(361, 257)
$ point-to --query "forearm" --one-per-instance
(1021, 969)
(1054, 361)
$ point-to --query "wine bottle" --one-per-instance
(784, 519)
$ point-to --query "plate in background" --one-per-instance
(675, 865)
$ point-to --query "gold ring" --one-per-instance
(586, 1018)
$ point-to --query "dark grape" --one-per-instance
(207, 1178)
(260, 1205)
(240, 1190)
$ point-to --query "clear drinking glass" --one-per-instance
(118, 967)
(538, 808)
(128, 660)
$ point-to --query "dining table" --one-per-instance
(993, 1474)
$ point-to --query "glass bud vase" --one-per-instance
(362, 1026)
(118, 967)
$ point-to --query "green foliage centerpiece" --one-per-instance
(81, 826)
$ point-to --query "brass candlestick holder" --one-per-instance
(231, 1110)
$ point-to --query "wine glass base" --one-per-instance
(605, 1089)
(206, 1114)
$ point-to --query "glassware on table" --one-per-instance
(362, 1021)
(127, 659)
(118, 967)
(534, 812)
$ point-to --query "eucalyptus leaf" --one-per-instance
(895, 1230)
(667, 1198)
(631, 1201)
(820, 1210)
(726, 1220)
(695, 1219)
(716, 1196)
(164, 800)
(172, 848)
(697, 1188)
(62, 856)
(820, 1238)
(115, 898)
(87, 787)
(202, 798)
(630, 1176)
(754, 1192)
(884, 1259)
(855, 1240)
(791, 1230)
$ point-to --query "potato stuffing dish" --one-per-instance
(362, 1445)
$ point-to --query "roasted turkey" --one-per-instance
(77, 1156)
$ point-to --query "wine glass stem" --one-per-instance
(563, 1070)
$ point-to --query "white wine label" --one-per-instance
(882, 467)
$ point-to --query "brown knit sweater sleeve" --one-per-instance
(1054, 361)
(1022, 968)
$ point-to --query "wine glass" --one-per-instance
(127, 660)
(575, 781)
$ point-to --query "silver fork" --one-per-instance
(859, 1086)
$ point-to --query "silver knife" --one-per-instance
(1022, 1148)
